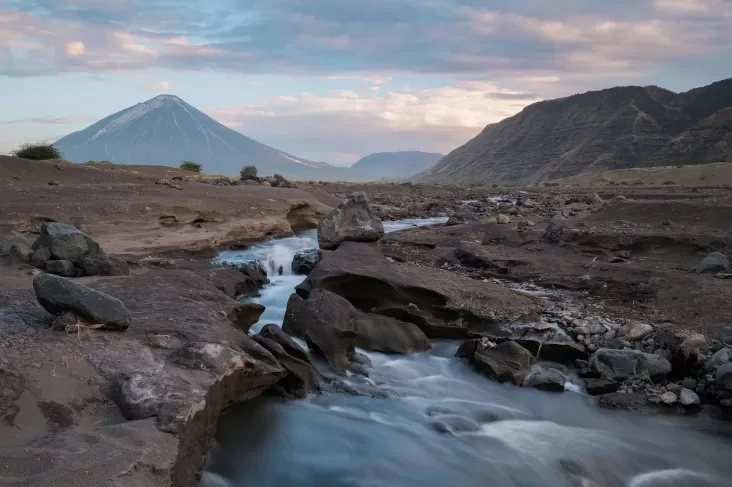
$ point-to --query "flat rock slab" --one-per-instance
(360, 273)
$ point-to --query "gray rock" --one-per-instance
(689, 383)
(305, 261)
(668, 398)
(65, 242)
(59, 295)
(693, 345)
(721, 357)
(713, 263)
(596, 387)
(506, 362)
(20, 251)
(545, 379)
(628, 364)
(99, 264)
(40, 258)
(302, 375)
(726, 335)
(352, 220)
(555, 229)
(63, 268)
(635, 331)
(687, 397)
(462, 217)
(724, 377)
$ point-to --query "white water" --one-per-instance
(514, 436)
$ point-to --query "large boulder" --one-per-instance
(365, 277)
(63, 242)
(244, 315)
(302, 376)
(232, 282)
(545, 379)
(305, 261)
(59, 295)
(352, 220)
(628, 364)
(713, 263)
(63, 268)
(373, 332)
(505, 362)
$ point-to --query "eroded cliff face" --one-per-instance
(617, 128)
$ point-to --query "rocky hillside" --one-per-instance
(392, 165)
(617, 128)
(166, 130)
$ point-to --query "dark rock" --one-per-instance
(279, 181)
(505, 362)
(460, 218)
(597, 387)
(553, 344)
(713, 263)
(232, 282)
(724, 377)
(302, 376)
(360, 273)
(59, 295)
(545, 379)
(66, 242)
(244, 315)
(726, 335)
(40, 258)
(352, 220)
(63, 268)
(555, 229)
(256, 271)
(98, 264)
(628, 364)
(374, 332)
(305, 261)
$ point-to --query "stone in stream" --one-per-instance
(597, 387)
(58, 295)
(302, 376)
(505, 362)
(713, 263)
(305, 261)
(244, 315)
(545, 379)
(256, 271)
(352, 220)
(324, 316)
(628, 364)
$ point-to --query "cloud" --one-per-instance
(347, 122)
(157, 86)
(75, 48)
(41, 120)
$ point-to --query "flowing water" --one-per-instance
(445, 425)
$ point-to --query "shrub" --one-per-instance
(37, 151)
(669, 183)
(190, 166)
(248, 172)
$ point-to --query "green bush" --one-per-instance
(190, 166)
(37, 151)
(248, 172)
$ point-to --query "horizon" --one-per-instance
(393, 75)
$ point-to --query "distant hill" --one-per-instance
(166, 130)
(616, 128)
(393, 165)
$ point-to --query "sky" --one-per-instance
(335, 80)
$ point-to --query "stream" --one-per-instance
(446, 425)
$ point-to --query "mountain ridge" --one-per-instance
(394, 165)
(616, 128)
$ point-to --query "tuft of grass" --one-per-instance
(248, 172)
(191, 166)
(37, 151)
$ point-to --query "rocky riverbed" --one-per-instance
(516, 314)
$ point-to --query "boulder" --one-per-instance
(724, 377)
(726, 335)
(635, 331)
(305, 261)
(373, 332)
(352, 220)
(363, 275)
(503, 219)
(713, 263)
(551, 344)
(40, 258)
(302, 376)
(66, 242)
(256, 271)
(232, 282)
(63, 268)
(687, 397)
(505, 362)
(244, 315)
(555, 229)
(278, 181)
(98, 264)
(628, 364)
(58, 295)
(545, 379)
(460, 218)
(597, 387)
(669, 398)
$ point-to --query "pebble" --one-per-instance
(668, 398)
(688, 397)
